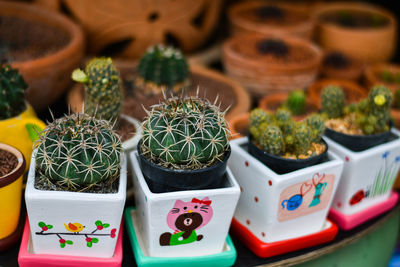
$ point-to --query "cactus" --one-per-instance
(271, 139)
(257, 117)
(379, 101)
(78, 151)
(12, 92)
(332, 101)
(296, 102)
(317, 126)
(302, 139)
(185, 133)
(103, 86)
(162, 68)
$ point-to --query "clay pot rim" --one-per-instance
(235, 19)
(277, 97)
(312, 92)
(371, 72)
(315, 61)
(196, 69)
(18, 170)
(356, 6)
(240, 118)
(68, 26)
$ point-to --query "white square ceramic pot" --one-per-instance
(74, 223)
(276, 207)
(368, 175)
(205, 215)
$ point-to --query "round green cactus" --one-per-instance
(379, 101)
(12, 92)
(185, 133)
(78, 151)
(333, 101)
(296, 102)
(317, 126)
(302, 139)
(162, 68)
(104, 93)
(271, 140)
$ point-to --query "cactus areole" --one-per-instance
(185, 135)
(78, 151)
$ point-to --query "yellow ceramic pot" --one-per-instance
(10, 195)
(21, 131)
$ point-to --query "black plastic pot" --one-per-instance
(283, 165)
(357, 142)
(161, 179)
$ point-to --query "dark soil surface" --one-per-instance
(8, 162)
(356, 19)
(22, 40)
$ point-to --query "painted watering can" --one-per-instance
(293, 202)
(319, 189)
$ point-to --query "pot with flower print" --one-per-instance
(77, 163)
(185, 194)
(288, 179)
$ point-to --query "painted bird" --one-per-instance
(74, 227)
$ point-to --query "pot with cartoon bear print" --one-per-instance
(192, 220)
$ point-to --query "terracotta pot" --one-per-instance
(272, 102)
(127, 28)
(364, 43)
(353, 92)
(10, 195)
(239, 125)
(373, 76)
(244, 18)
(261, 74)
(45, 46)
(352, 71)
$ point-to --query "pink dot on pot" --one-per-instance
(88, 239)
(262, 234)
(347, 158)
(248, 221)
(256, 199)
(270, 182)
(246, 163)
(241, 189)
(339, 204)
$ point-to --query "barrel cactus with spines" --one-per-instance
(12, 92)
(162, 68)
(302, 138)
(103, 88)
(271, 139)
(296, 102)
(185, 133)
(333, 101)
(317, 126)
(78, 151)
(380, 100)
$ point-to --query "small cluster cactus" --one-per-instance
(162, 68)
(103, 87)
(280, 135)
(296, 102)
(78, 151)
(333, 101)
(368, 116)
(185, 133)
(390, 77)
(12, 92)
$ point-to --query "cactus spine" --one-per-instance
(103, 86)
(332, 100)
(162, 68)
(12, 92)
(185, 133)
(78, 151)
